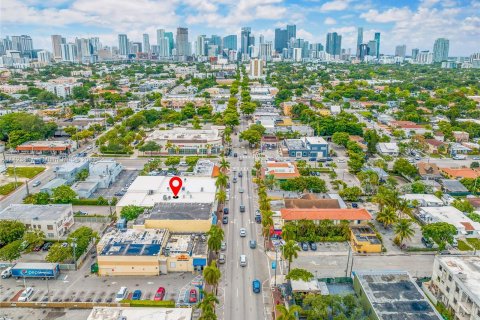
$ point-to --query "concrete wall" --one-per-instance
(128, 265)
(180, 225)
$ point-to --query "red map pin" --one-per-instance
(175, 184)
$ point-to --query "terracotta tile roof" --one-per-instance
(215, 171)
(461, 173)
(277, 165)
(401, 123)
(312, 203)
(425, 168)
(474, 202)
(325, 214)
(468, 226)
(434, 142)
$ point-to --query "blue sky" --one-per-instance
(412, 22)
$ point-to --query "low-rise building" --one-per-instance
(45, 147)
(455, 282)
(388, 148)
(306, 147)
(69, 170)
(131, 313)
(104, 171)
(55, 220)
(460, 173)
(428, 171)
(392, 295)
(52, 184)
(281, 170)
(188, 141)
(460, 136)
(363, 239)
(465, 226)
(453, 187)
(423, 200)
(354, 216)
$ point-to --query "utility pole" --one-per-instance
(74, 245)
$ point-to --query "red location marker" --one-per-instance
(175, 184)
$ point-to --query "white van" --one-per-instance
(243, 260)
(7, 273)
(121, 294)
(26, 294)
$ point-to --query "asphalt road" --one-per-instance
(237, 300)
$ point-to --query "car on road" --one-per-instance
(65, 244)
(160, 294)
(192, 296)
(235, 155)
(459, 157)
(223, 246)
(341, 160)
(240, 159)
(243, 260)
(258, 217)
(476, 158)
(47, 246)
(240, 190)
(411, 160)
(225, 220)
(234, 179)
(242, 208)
(256, 286)
(225, 210)
(313, 246)
(8, 161)
(36, 183)
(253, 244)
(26, 294)
(243, 232)
(418, 158)
(221, 258)
(304, 246)
(137, 294)
(240, 174)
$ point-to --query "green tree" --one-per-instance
(131, 212)
(341, 138)
(270, 181)
(82, 175)
(403, 230)
(248, 108)
(440, 232)
(172, 162)
(463, 205)
(221, 196)
(372, 138)
(212, 275)
(150, 146)
(356, 162)
(59, 253)
(63, 194)
(215, 238)
(351, 193)
(475, 165)
(222, 181)
(290, 251)
(34, 237)
(418, 187)
(403, 167)
(252, 136)
(387, 216)
(299, 274)
(207, 305)
(224, 165)
(285, 313)
(11, 251)
(289, 231)
(11, 230)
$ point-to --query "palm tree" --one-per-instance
(257, 166)
(215, 238)
(212, 275)
(403, 230)
(224, 165)
(168, 145)
(287, 313)
(270, 181)
(222, 181)
(387, 216)
(290, 251)
(221, 196)
(208, 315)
(289, 231)
(264, 204)
(207, 305)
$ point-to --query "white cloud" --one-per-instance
(335, 5)
(390, 15)
(330, 21)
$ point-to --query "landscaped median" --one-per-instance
(25, 172)
(150, 303)
(9, 187)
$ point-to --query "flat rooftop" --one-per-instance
(146, 191)
(448, 214)
(394, 296)
(184, 134)
(133, 242)
(116, 313)
(467, 271)
(46, 143)
(29, 212)
(180, 211)
(71, 165)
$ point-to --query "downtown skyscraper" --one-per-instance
(146, 43)
(377, 39)
(334, 44)
(183, 47)
(359, 40)
(230, 42)
(123, 46)
(246, 39)
(440, 50)
(163, 44)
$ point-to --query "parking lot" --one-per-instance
(123, 181)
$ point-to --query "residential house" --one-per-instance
(306, 147)
(388, 148)
(360, 142)
(354, 216)
(453, 187)
(460, 136)
(464, 225)
(460, 173)
(423, 200)
(428, 171)
(434, 145)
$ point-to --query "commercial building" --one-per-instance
(52, 184)
(440, 50)
(105, 172)
(146, 191)
(465, 226)
(128, 313)
(150, 252)
(69, 170)
(45, 147)
(354, 216)
(334, 44)
(392, 295)
(363, 239)
(55, 220)
(306, 147)
(455, 282)
(281, 170)
(256, 69)
(188, 141)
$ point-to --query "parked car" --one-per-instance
(137, 294)
(240, 174)
(313, 246)
(223, 246)
(222, 258)
(26, 294)
(193, 296)
(47, 246)
(354, 205)
(38, 247)
(304, 246)
(256, 286)
(160, 294)
(36, 183)
(225, 220)
(235, 155)
(427, 242)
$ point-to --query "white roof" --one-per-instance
(194, 190)
(305, 286)
(422, 197)
(451, 215)
(315, 140)
(388, 147)
(115, 313)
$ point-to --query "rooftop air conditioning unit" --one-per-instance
(150, 192)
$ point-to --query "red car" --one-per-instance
(160, 294)
(193, 296)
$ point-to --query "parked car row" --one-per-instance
(122, 294)
(306, 245)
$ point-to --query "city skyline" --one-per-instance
(414, 23)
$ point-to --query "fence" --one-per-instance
(62, 305)
(101, 219)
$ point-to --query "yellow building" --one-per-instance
(364, 240)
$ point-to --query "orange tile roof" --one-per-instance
(215, 171)
(278, 165)
(325, 214)
(461, 173)
(468, 226)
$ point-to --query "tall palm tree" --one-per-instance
(221, 196)
(287, 313)
(289, 231)
(290, 251)
(222, 180)
(270, 181)
(212, 275)
(403, 230)
(387, 216)
(207, 305)
(224, 165)
(257, 166)
(264, 204)
(215, 238)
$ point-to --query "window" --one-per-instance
(50, 235)
(456, 289)
(49, 227)
(28, 226)
(454, 301)
(450, 278)
(448, 289)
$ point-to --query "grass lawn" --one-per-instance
(463, 246)
(25, 172)
(9, 187)
(474, 242)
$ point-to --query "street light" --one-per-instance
(74, 246)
